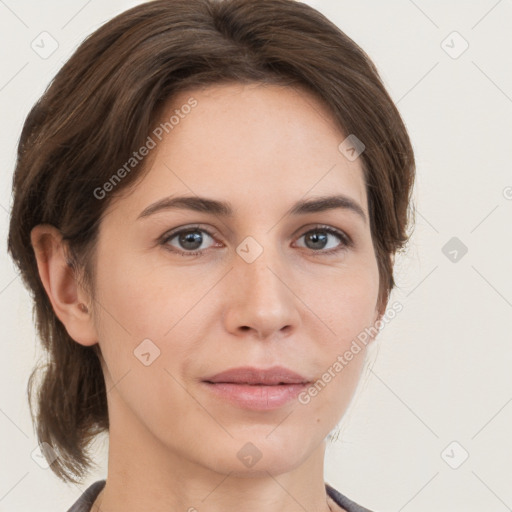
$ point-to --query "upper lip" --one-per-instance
(265, 376)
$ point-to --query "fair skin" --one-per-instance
(173, 445)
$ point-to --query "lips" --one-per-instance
(248, 375)
(257, 389)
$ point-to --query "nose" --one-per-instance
(260, 298)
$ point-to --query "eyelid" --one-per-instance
(330, 229)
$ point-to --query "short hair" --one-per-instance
(102, 105)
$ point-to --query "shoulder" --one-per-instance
(343, 501)
(84, 503)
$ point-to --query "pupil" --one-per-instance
(314, 237)
(192, 237)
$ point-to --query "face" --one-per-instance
(189, 291)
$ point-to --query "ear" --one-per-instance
(61, 285)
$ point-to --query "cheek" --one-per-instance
(144, 320)
(345, 303)
(346, 308)
(139, 299)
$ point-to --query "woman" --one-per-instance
(207, 203)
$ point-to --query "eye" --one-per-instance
(188, 242)
(317, 239)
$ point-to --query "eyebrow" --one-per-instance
(224, 209)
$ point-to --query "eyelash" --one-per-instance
(346, 241)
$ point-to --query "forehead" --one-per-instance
(255, 143)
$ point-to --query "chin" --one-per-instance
(255, 454)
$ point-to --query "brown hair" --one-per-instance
(102, 105)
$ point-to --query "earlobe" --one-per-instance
(61, 285)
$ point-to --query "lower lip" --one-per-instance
(258, 397)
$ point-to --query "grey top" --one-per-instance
(84, 503)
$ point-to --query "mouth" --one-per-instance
(276, 375)
(257, 389)
(250, 383)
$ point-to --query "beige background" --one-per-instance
(439, 382)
